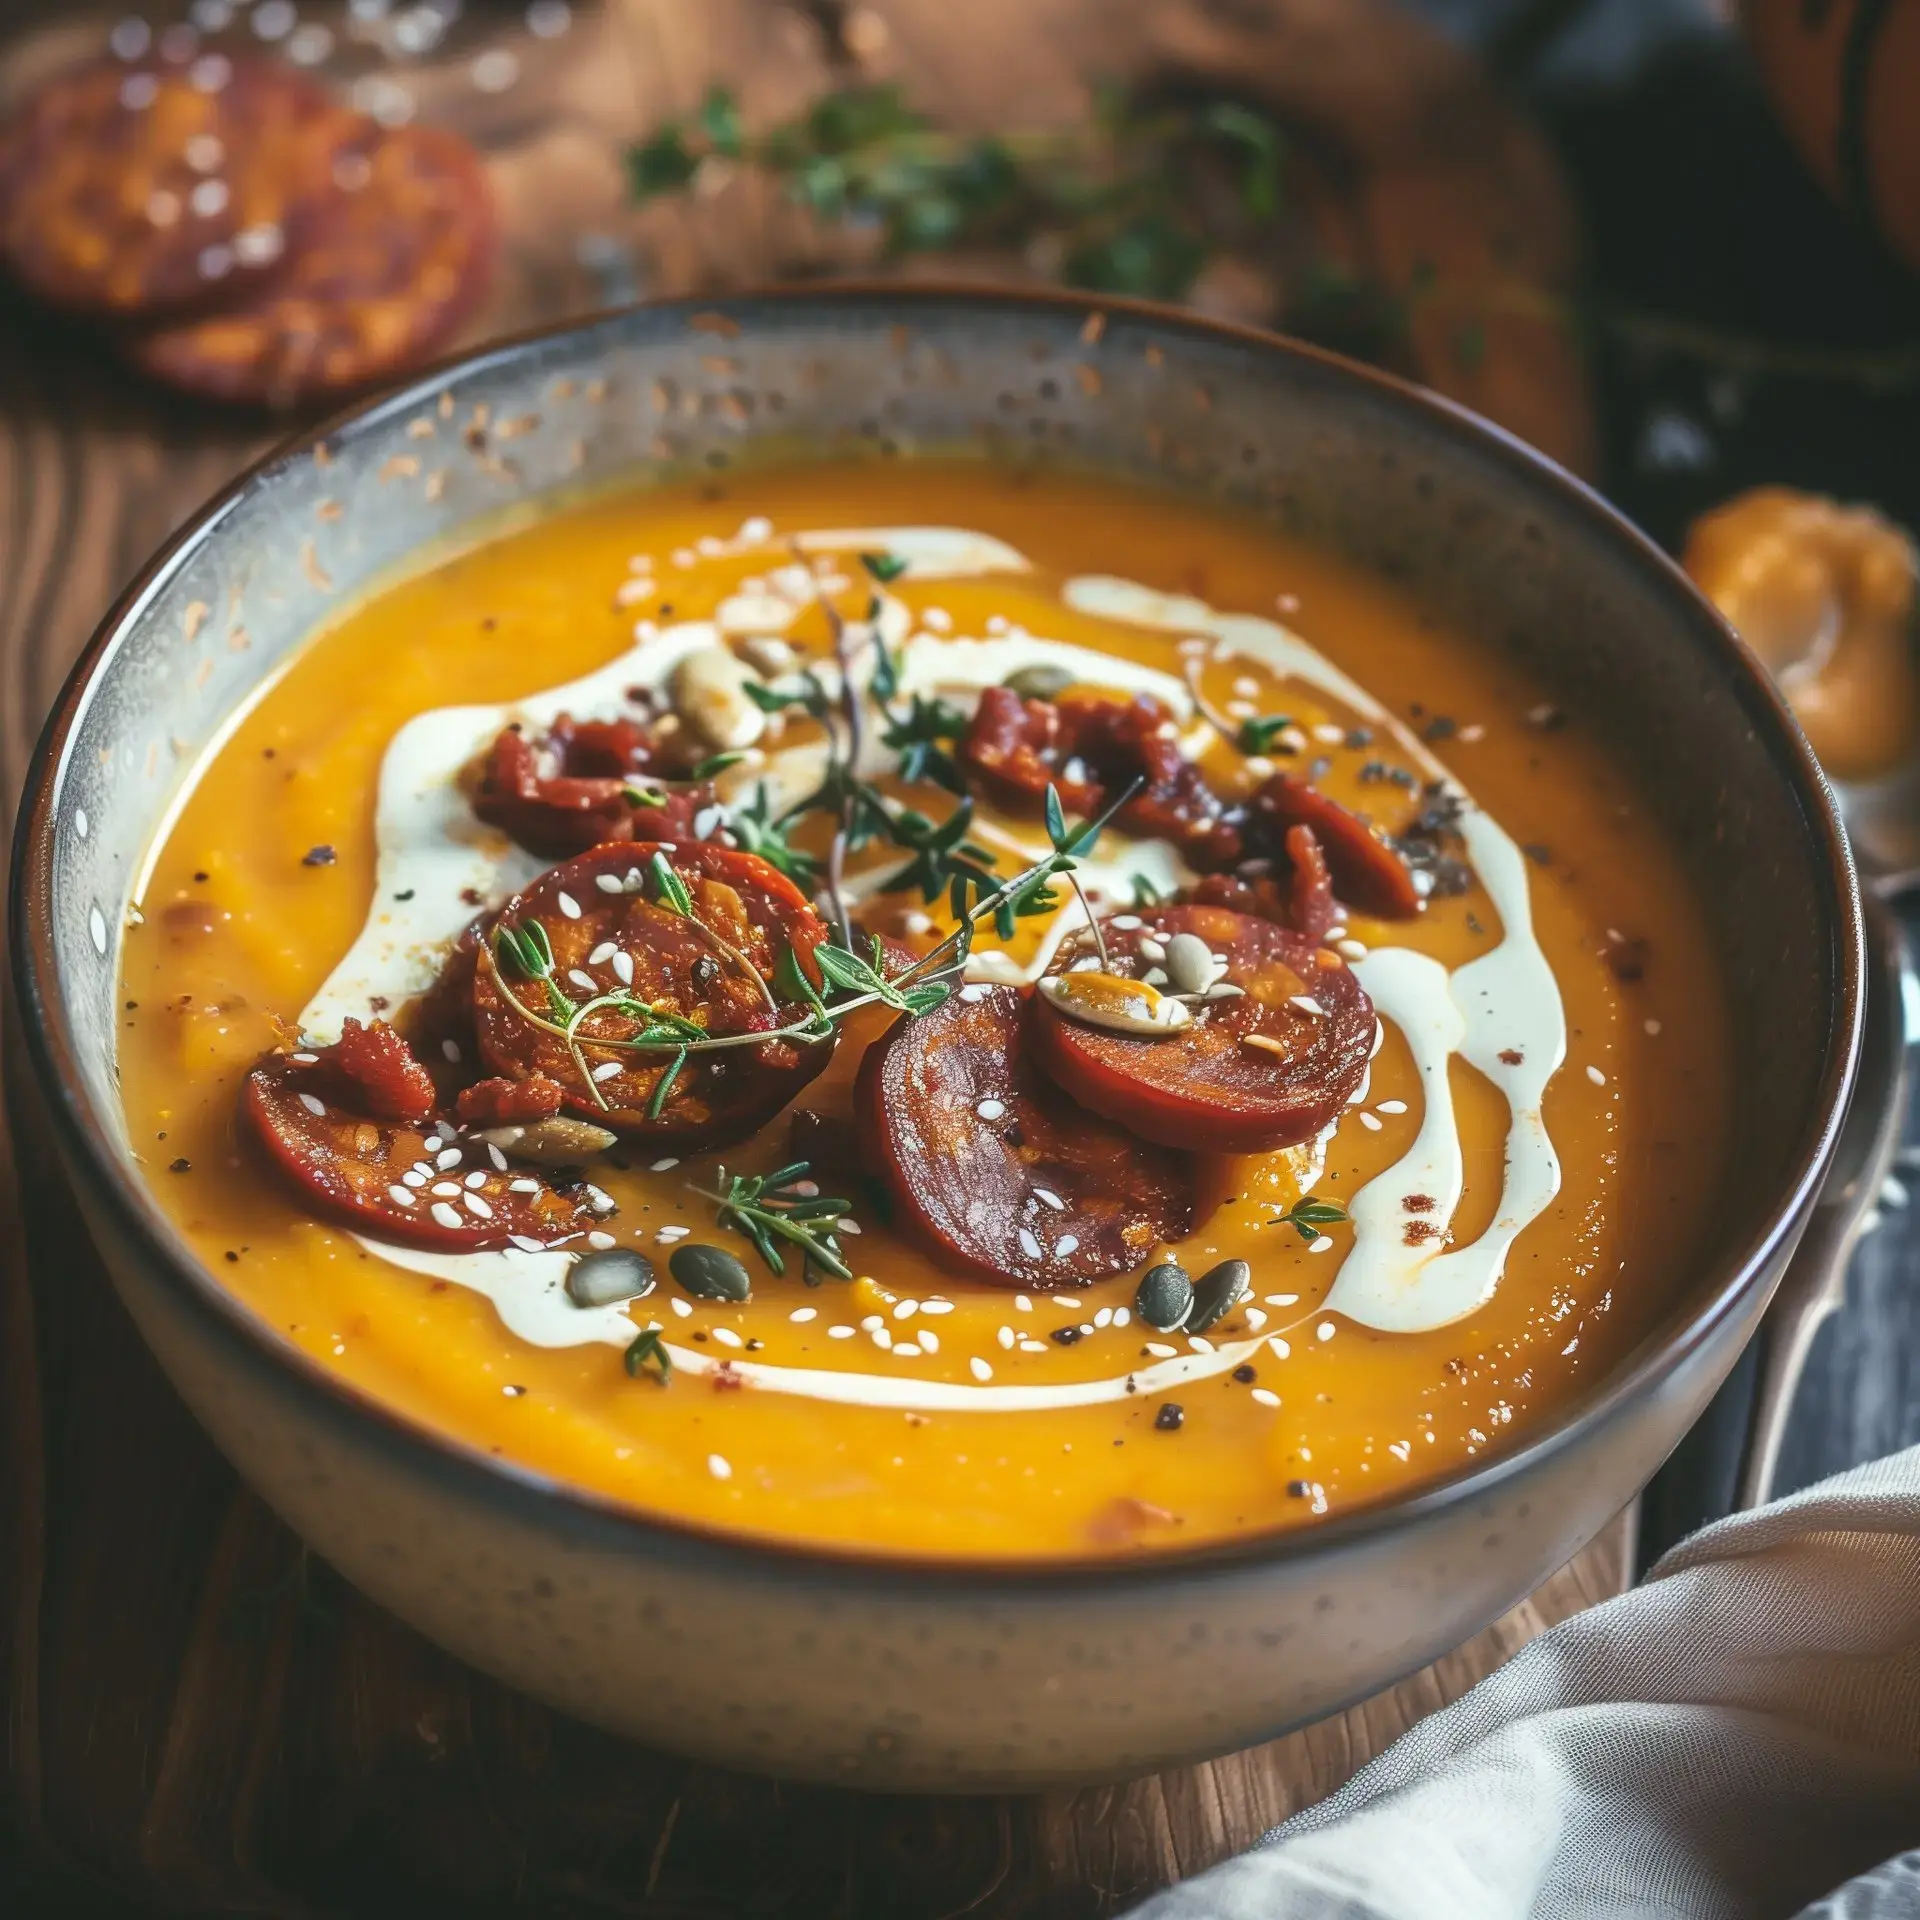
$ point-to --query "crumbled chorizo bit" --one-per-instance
(377, 1074)
(505, 1103)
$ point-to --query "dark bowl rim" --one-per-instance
(613, 1524)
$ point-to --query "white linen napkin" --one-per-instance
(1732, 1740)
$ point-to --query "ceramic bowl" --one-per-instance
(878, 1671)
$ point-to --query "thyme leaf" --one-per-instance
(649, 1349)
(770, 1213)
(1310, 1218)
(669, 890)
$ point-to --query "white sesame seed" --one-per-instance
(444, 1215)
(1199, 1343)
(706, 820)
(979, 1368)
(727, 1337)
(1121, 1315)
(668, 1235)
(684, 1308)
(1104, 1318)
(1021, 1304)
(599, 1240)
(1281, 1299)
(414, 1177)
(474, 1179)
(623, 968)
(1160, 1350)
(665, 1166)
(1151, 949)
(448, 1189)
(567, 905)
(476, 1205)
(1255, 1317)
(936, 1306)
(801, 1315)
(905, 1309)
(523, 1186)
(938, 618)
(1393, 1106)
(1066, 1244)
(974, 994)
(1048, 1198)
(526, 1243)
(1324, 1331)
(1371, 1124)
(1265, 1396)
(1066, 1300)
(872, 1323)
(1005, 1336)
(606, 949)
(606, 1070)
(719, 1466)
(1306, 1003)
(1033, 1346)
(498, 1158)
(882, 1338)
(599, 1199)
(840, 1333)
(299, 1059)
(607, 883)
(990, 1109)
(400, 1196)
(929, 1340)
(451, 1048)
(844, 1225)
(1324, 1244)
(312, 1105)
(1598, 1078)
(1028, 1244)
(909, 1348)
(1126, 922)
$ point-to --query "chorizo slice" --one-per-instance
(1368, 873)
(694, 956)
(415, 1181)
(1266, 1067)
(992, 1170)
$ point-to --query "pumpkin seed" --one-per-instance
(1217, 1292)
(1039, 682)
(1164, 1297)
(605, 1279)
(1119, 1005)
(554, 1142)
(1189, 964)
(709, 1273)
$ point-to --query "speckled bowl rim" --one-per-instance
(606, 1523)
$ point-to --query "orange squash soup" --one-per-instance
(928, 1011)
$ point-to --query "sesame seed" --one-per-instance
(882, 1338)
(414, 1177)
(801, 1315)
(1048, 1198)
(929, 1340)
(599, 1240)
(979, 1368)
(1324, 1244)
(727, 1337)
(606, 949)
(449, 1157)
(475, 1179)
(606, 1069)
(444, 1215)
(451, 1048)
(664, 1166)
(1255, 1318)
(1324, 1331)
(400, 1196)
(607, 883)
(973, 995)
(1104, 1318)
(526, 1243)
(1200, 1343)
(844, 1225)
(1021, 1304)
(1598, 1078)
(312, 1105)
(1028, 1244)
(600, 1199)
(476, 1205)
(1306, 1003)
(872, 1323)
(1265, 1395)
(1121, 1315)
(990, 1109)
(840, 1333)
(1033, 1346)
(668, 1235)
(1066, 1300)
(567, 905)
(1066, 1244)
(1393, 1106)
(299, 1059)
(498, 1158)
(1371, 1124)
(684, 1308)
(1126, 922)
(1281, 1299)
(719, 1466)
(623, 968)
(936, 1306)
(909, 1348)
(523, 1186)
(1005, 1336)
(447, 1189)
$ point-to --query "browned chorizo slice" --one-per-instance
(695, 956)
(416, 1182)
(1367, 872)
(1267, 1067)
(994, 1172)
(130, 190)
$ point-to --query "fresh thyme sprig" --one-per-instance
(650, 1349)
(758, 832)
(767, 1209)
(941, 853)
(1310, 1218)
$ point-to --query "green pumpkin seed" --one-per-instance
(709, 1273)
(1217, 1292)
(1165, 1297)
(605, 1279)
(1039, 682)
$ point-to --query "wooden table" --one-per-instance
(200, 1719)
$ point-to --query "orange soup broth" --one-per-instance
(237, 932)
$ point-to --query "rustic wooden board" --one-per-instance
(199, 1720)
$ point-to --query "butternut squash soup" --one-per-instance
(928, 1011)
